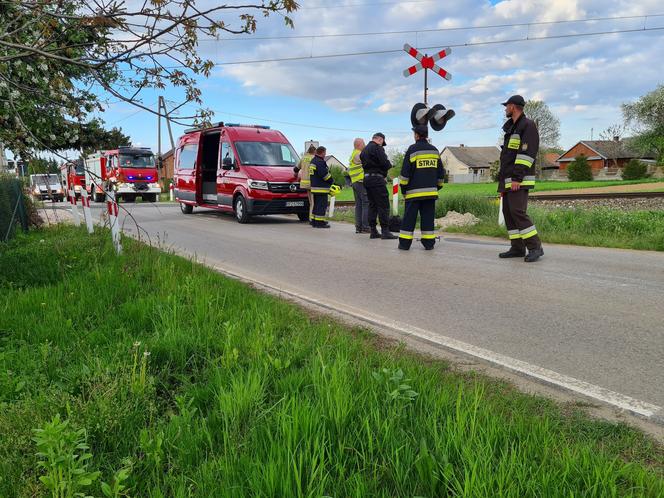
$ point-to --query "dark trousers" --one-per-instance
(520, 228)
(320, 209)
(427, 210)
(361, 205)
(379, 202)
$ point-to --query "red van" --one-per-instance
(243, 169)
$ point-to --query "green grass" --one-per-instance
(242, 394)
(491, 188)
(596, 227)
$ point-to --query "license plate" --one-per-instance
(290, 204)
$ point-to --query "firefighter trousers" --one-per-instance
(427, 210)
(520, 228)
(320, 209)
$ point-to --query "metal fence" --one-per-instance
(13, 211)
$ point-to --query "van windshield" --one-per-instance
(266, 154)
(136, 161)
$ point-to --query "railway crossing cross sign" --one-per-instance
(426, 62)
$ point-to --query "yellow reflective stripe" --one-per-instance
(532, 233)
(423, 155)
(320, 190)
(527, 164)
(515, 236)
(403, 180)
(528, 183)
(421, 194)
(318, 218)
(327, 177)
(407, 237)
(428, 236)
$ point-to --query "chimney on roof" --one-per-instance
(461, 145)
(616, 138)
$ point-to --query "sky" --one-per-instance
(584, 80)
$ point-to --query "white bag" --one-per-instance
(501, 217)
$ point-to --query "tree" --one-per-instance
(646, 117)
(95, 137)
(579, 170)
(548, 126)
(39, 165)
(59, 61)
(613, 135)
(494, 171)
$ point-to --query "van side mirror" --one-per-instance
(227, 164)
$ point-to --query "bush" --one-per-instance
(635, 170)
(494, 171)
(579, 170)
(338, 175)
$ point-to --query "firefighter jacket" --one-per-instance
(302, 169)
(422, 173)
(518, 154)
(374, 160)
(355, 169)
(320, 176)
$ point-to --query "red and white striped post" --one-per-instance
(113, 211)
(395, 196)
(171, 192)
(74, 208)
(87, 214)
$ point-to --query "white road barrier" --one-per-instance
(74, 207)
(85, 202)
(113, 212)
(395, 196)
(171, 192)
(332, 202)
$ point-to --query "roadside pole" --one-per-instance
(171, 190)
(85, 202)
(395, 196)
(113, 212)
(332, 201)
(74, 208)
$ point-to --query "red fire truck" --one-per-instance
(73, 174)
(242, 169)
(130, 171)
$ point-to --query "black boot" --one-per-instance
(514, 252)
(534, 255)
(387, 235)
(374, 233)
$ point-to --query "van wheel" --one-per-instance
(186, 208)
(241, 211)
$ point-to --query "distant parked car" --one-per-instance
(46, 186)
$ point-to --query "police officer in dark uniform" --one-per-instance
(516, 178)
(421, 178)
(321, 180)
(376, 165)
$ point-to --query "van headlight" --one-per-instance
(257, 184)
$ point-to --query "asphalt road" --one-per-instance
(586, 314)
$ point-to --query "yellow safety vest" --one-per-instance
(305, 182)
(355, 171)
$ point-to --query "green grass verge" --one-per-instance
(491, 188)
(184, 383)
(593, 227)
(596, 227)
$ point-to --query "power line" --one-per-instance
(469, 44)
(436, 30)
(303, 125)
